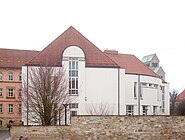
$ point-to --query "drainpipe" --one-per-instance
(27, 98)
(118, 91)
(139, 94)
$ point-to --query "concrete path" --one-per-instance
(4, 134)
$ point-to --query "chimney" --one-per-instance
(111, 52)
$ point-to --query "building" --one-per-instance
(11, 62)
(152, 61)
(121, 83)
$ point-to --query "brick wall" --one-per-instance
(108, 127)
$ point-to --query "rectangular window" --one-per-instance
(10, 92)
(73, 113)
(145, 109)
(73, 105)
(1, 76)
(73, 75)
(155, 86)
(163, 107)
(20, 92)
(154, 64)
(135, 90)
(10, 76)
(1, 92)
(144, 84)
(20, 77)
(1, 122)
(20, 108)
(129, 110)
(10, 108)
(1, 108)
(154, 110)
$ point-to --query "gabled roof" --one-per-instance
(11, 58)
(52, 54)
(181, 96)
(156, 69)
(130, 63)
(148, 58)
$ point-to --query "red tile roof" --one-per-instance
(11, 58)
(52, 54)
(181, 96)
(130, 63)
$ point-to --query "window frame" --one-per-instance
(130, 110)
(10, 92)
(1, 76)
(20, 76)
(10, 76)
(1, 123)
(73, 113)
(73, 105)
(1, 108)
(145, 110)
(73, 75)
(135, 90)
(1, 92)
(10, 108)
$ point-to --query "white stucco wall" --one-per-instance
(98, 87)
(151, 95)
(102, 88)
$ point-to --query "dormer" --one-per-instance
(151, 61)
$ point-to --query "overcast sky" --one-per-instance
(138, 27)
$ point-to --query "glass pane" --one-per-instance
(73, 64)
(76, 83)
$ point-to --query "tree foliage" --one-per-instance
(47, 92)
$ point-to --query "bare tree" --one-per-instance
(100, 109)
(173, 96)
(46, 94)
(180, 109)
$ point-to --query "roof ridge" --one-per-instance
(17, 49)
(71, 37)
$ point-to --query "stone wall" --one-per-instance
(108, 128)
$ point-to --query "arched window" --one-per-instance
(10, 76)
(1, 76)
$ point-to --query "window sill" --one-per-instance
(10, 112)
(73, 94)
(10, 97)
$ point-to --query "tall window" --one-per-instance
(163, 99)
(154, 110)
(20, 76)
(129, 110)
(1, 92)
(20, 92)
(1, 76)
(1, 108)
(145, 110)
(135, 90)
(73, 75)
(10, 108)
(10, 76)
(1, 122)
(20, 108)
(10, 92)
